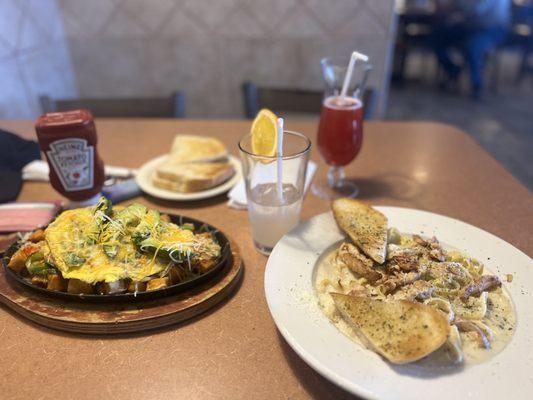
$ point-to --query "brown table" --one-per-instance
(235, 351)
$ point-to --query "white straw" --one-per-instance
(349, 71)
(279, 160)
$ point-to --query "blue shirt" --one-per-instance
(486, 13)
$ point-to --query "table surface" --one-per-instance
(234, 351)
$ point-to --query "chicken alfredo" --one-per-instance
(479, 314)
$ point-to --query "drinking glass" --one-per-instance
(340, 131)
(274, 212)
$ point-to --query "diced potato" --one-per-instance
(76, 286)
(115, 287)
(205, 264)
(41, 281)
(36, 236)
(157, 283)
(136, 286)
(175, 275)
(57, 283)
(18, 260)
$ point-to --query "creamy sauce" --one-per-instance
(500, 316)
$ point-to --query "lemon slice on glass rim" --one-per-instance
(264, 133)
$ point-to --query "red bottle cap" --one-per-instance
(67, 118)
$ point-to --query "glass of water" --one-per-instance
(272, 214)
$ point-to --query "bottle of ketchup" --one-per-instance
(68, 139)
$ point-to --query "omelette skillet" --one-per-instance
(192, 280)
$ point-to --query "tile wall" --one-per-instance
(34, 56)
(206, 48)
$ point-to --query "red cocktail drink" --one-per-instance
(340, 132)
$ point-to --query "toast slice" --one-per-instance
(366, 226)
(190, 148)
(191, 177)
(401, 331)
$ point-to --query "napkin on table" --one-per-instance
(38, 170)
(237, 195)
(27, 216)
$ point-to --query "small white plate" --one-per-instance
(144, 180)
(293, 304)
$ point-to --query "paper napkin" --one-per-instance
(26, 216)
(38, 170)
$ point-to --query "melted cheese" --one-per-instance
(68, 242)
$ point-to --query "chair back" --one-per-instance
(302, 101)
(172, 106)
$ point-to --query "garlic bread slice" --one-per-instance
(366, 226)
(401, 331)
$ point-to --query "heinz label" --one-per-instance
(72, 161)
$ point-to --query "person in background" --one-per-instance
(474, 27)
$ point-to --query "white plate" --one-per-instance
(144, 180)
(293, 304)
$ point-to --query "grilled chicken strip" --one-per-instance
(432, 243)
(402, 279)
(402, 258)
(419, 290)
(435, 250)
(364, 291)
(406, 262)
(483, 283)
(437, 254)
(358, 263)
(394, 250)
(449, 271)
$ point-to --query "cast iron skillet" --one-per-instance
(200, 226)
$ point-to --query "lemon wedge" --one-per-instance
(264, 133)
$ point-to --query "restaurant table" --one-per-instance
(234, 351)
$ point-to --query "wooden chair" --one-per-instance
(293, 100)
(141, 107)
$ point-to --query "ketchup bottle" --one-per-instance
(68, 140)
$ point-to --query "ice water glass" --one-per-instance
(272, 215)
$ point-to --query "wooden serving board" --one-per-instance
(94, 318)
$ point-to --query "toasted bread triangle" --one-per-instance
(192, 148)
(191, 177)
(366, 226)
(401, 331)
